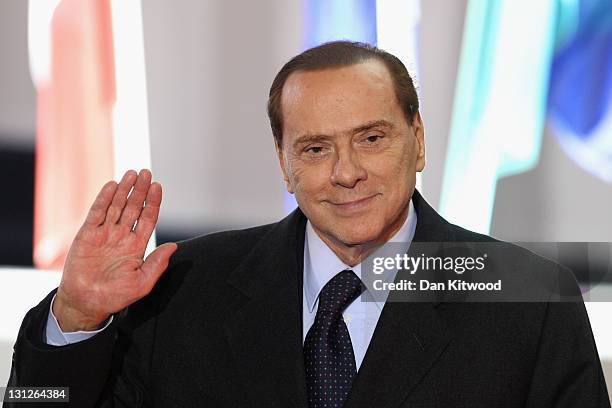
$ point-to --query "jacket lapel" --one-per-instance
(409, 337)
(408, 340)
(265, 333)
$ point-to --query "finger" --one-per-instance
(97, 212)
(120, 198)
(136, 199)
(155, 264)
(150, 213)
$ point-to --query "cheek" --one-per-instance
(395, 174)
(405, 166)
(295, 176)
(307, 179)
(392, 166)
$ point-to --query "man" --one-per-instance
(269, 316)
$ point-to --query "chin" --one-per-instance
(358, 233)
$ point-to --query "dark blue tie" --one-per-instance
(328, 352)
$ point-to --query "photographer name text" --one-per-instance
(426, 285)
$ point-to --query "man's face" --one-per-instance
(348, 153)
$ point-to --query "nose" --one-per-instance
(347, 171)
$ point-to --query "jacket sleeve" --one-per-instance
(108, 370)
(567, 371)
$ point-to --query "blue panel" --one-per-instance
(580, 94)
(581, 77)
(329, 20)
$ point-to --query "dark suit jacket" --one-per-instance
(223, 328)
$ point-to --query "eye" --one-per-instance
(373, 138)
(314, 150)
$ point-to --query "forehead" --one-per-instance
(337, 99)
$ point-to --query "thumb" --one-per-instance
(156, 263)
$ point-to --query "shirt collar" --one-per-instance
(321, 264)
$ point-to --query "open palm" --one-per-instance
(105, 270)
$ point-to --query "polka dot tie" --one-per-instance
(328, 352)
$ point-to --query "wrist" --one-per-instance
(71, 319)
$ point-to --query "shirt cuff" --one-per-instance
(54, 336)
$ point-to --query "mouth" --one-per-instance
(353, 205)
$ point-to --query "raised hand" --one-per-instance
(105, 270)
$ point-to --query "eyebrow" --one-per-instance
(313, 138)
(371, 125)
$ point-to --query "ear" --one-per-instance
(419, 133)
(283, 165)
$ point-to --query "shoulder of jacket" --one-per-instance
(222, 243)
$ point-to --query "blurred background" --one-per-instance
(516, 98)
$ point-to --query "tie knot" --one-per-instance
(340, 291)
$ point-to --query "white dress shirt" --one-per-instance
(320, 265)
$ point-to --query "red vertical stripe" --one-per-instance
(74, 150)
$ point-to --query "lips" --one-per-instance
(354, 204)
